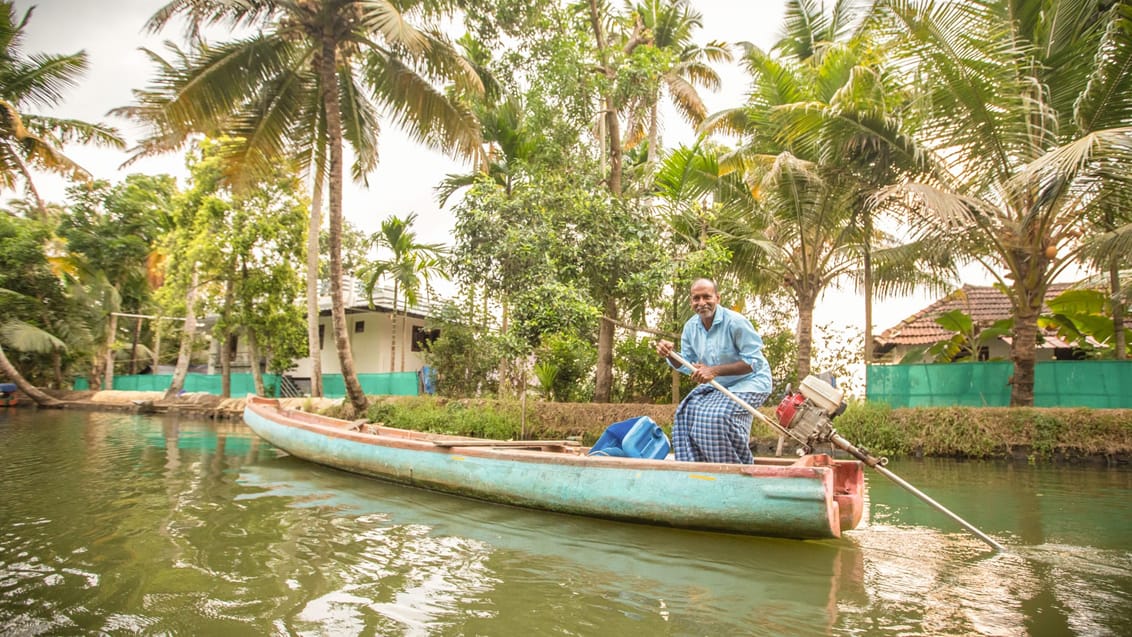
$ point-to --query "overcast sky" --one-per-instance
(111, 34)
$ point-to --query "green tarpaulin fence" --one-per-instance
(1100, 384)
(394, 384)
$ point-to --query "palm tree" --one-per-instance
(509, 143)
(671, 24)
(821, 132)
(299, 87)
(1029, 107)
(30, 141)
(410, 265)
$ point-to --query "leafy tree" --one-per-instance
(111, 233)
(30, 141)
(193, 258)
(466, 356)
(260, 242)
(644, 378)
(29, 290)
(1028, 107)
(559, 232)
(299, 88)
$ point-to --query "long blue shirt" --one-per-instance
(731, 338)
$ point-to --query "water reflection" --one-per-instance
(127, 524)
(640, 573)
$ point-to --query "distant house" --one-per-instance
(370, 333)
(985, 306)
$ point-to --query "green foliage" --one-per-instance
(37, 81)
(965, 344)
(546, 372)
(35, 299)
(25, 269)
(467, 355)
(454, 418)
(995, 432)
(643, 377)
(1084, 318)
(871, 426)
(553, 307)
(572, 359)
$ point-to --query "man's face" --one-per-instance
(704, 299)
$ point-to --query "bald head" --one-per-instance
(702, 282)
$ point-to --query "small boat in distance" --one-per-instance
(813, 496)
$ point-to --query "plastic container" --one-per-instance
(825, 396)
(633, 438)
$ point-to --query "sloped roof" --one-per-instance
(984, 305)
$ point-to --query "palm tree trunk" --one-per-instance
(134, 347)
(1023, 349)
(868, 290)
(32, 391)
(331, 104)
(805, 333)
(111, 334)
(408, 341)
(313, 230)
(393, 330)
(1119, 342)
(186, 350)
(96, 363)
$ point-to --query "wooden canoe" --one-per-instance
(812, 497)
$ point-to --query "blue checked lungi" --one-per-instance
(710, 427)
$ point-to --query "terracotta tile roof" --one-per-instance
(984, 305)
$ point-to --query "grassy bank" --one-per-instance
(1023, 433)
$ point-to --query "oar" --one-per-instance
(852, 450)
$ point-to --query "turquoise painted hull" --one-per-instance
(814, 497)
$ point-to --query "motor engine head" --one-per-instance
(808, 414)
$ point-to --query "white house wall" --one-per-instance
(370, 348)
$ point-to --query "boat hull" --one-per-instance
(812, 498)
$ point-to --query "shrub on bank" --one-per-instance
(988, 432)
(973, 432)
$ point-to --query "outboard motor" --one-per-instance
(808, 413)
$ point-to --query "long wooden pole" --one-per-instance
(852, 450)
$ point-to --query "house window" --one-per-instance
(984, 353)
(422, 337)
(321, 335)
(233, 345)
(359, 327)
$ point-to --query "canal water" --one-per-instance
(116, 524)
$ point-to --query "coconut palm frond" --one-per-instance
(25, 337)
(422, 109)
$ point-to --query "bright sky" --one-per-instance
(111, 34)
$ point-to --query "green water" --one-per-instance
(117, 524)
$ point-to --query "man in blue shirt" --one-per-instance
(723, 346)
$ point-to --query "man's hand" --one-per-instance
(703, 373)
(664, 348)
